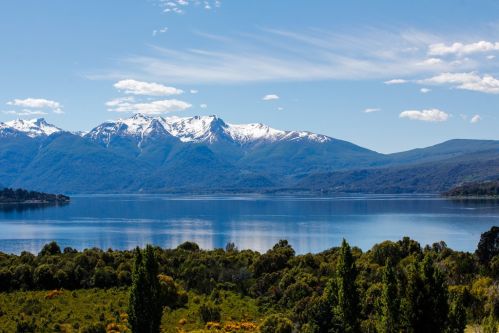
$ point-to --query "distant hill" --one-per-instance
(206, 154)
(475, 189)
(19, 196)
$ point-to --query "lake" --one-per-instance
(310, 224)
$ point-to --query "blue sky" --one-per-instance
(427, 71)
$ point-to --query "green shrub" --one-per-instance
(276, 324)
(209, 312)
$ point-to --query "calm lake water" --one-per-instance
(311, 224)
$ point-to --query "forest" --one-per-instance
(475, 189)
(393, 287)
(16, 196)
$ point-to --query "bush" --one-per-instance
(276, 324)
(50, 249)
(94, 328)
(209, 312)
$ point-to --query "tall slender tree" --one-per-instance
(346, 310)
(390, 302)
(144, 308)
(152, 271)
(412, 304)
(435, 307)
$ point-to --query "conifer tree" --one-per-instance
(346, 310)
(412, 304)
(144, 309)
(389, 321)
(457, 316)
(435, 308)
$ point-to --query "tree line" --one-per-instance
(393, 287)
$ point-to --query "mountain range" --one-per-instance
(205, 154)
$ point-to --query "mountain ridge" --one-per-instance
(204, 153)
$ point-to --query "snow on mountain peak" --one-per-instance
(32, 128)
(197, 129)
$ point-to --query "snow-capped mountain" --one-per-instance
(32, 128)
(206, 129)
(139, 127)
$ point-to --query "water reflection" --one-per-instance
(256, 222)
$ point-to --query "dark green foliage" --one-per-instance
(475, 189)
(457, 315)
(336, 290)
(94, 328)
(488, 247)
(145, 308)
(425, 306)
(209, 312)
(24, 326)
(346, 309)
(276, 324)
(390, 301)
(50, 249)
(9, 195)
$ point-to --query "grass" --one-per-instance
(75, 311)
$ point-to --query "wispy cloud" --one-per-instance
(371, 110)
(391, 56)
(145, 88)
(395, 81)
(37, 103)
(429, 115)
(270, 97)
(425, 90)
(25, 112)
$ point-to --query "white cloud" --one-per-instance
(25, 112)
(457, 48)
(134, 87)
(270, 97)
(395, 81)
(475, 119)
(178, 6)
(193, 91)
(280, 108)
(430, 115)
(37, 103)
(432, 61)
(203, 106)
(156, 32)
(491, 57)
(425, 90)
(151, 108)
(370, 110)
(467, 81)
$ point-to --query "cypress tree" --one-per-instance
(152, 270)
(457, 315)
(412, 304)
(389, 321)
(435, 308)
(346, 310)
(144, 308)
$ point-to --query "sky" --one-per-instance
(386, 75)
